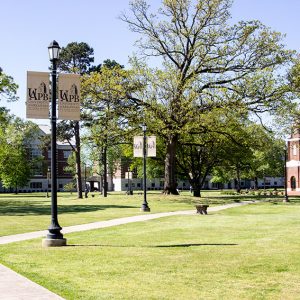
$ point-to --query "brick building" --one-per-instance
(40, 181)
(293, 164)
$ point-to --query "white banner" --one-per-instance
(69, 97)
(128, 175)
(138, 143)
(38, 95)
(138, 146)
(151, 146)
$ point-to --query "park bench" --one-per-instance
(202, 209)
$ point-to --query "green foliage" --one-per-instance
(76, 58)
(258, 154)
(71, 164)
(15, 140)
(69, 187)
(8, 88)
(108, 113)
(207, 65)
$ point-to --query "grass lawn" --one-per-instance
(250, 252)
(31, 212)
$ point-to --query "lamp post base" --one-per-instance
(145, 208)
(54, 242)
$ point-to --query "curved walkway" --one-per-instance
(15, 287)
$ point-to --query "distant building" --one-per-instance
(293, 164)
(121, 180)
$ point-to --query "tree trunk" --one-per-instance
(197, 192)
(170, 186)
(238, 180)
(104, 160)
(78, 161)
(256, 183)
(196, 185)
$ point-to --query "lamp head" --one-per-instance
(54, 50)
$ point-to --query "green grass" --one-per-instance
(250, 252)
(31, 212)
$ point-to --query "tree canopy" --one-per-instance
(206, 64)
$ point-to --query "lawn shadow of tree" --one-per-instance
(156, 246)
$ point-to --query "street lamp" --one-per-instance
(85, 186)
(128, 190)
(129, 176)
(145, 206)
(54, 237)
(48, 177)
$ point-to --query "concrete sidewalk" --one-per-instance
(16, 287)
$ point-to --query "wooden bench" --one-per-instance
(202, 209)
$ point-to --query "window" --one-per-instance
(35, 185)
(60, 186)
(67, 153)
(293, 183)
(138, 184)
(152, 184)
(267, 182)
(214, 185)
(294, 149)
(37, 169)
(35, 152)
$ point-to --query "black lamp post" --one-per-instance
(286, 197)
(145, 206)
(128, 190)
(54, 237)
(48, 177)
(85, 185)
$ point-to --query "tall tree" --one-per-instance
(107, 109)
(74, 58)
(205, 64)
(259, 153)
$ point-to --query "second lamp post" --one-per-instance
(145, 206)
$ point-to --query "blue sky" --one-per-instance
(28, 27)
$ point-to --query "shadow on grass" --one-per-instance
(19, 195)
(9, 208)
(192, 245)
(157, 246)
